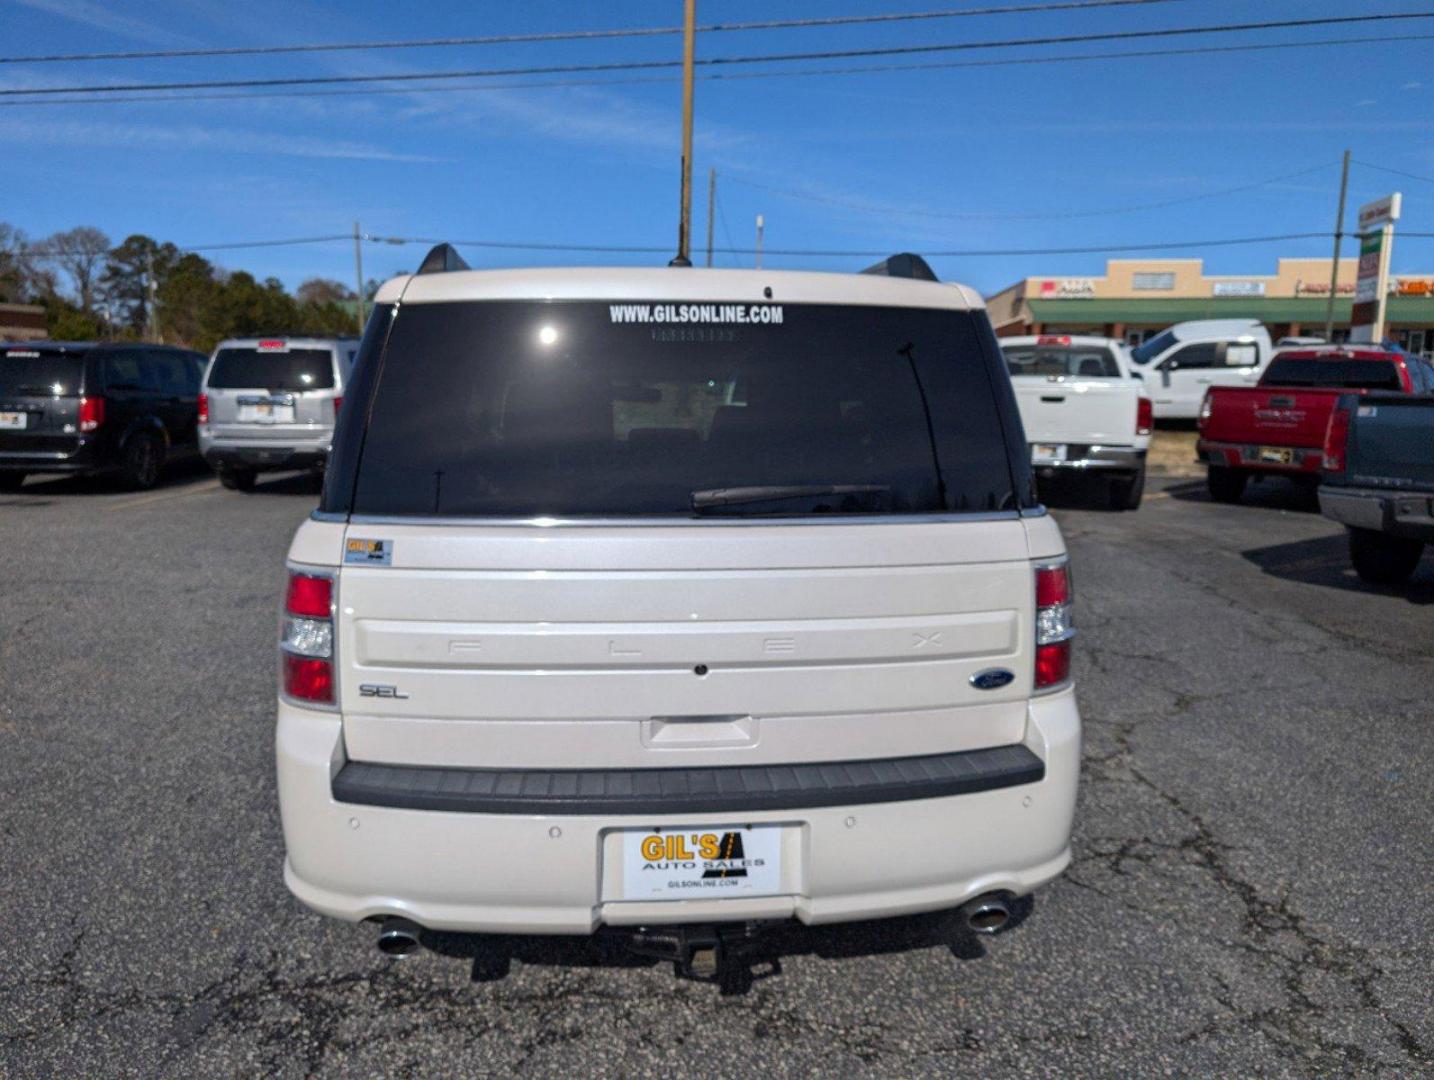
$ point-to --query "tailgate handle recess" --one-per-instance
(698, 732)
(1052, 399)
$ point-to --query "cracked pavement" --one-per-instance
(1251, 892)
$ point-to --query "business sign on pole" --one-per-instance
(1376, 239)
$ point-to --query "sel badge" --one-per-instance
(369, 552)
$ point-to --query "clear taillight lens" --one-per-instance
(306, 639)
(1054, 625)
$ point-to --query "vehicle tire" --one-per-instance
(143, 458)
(1226, 484)
(11, 481)
(1383, 560)
(1125, 492)
(237, 479)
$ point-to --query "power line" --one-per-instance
(1036, 216)
(584, 35)
(830, 54)
(1397, 172)
(727, 76)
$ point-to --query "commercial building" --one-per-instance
(1137, 298)
(22, 322)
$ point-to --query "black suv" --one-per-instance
(78, 407)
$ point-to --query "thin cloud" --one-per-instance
(97, 17)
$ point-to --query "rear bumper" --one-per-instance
(1128, 459)
(540, 872)
(1398, 514)
(1303, 459)
(83, 458)
(261, 454)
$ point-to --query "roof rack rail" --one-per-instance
(442, 258)
(904, 264)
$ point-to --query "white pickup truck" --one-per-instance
(1083, 410)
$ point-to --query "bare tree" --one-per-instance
(81, 254)
(323, 291)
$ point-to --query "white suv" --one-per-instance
(675, 599)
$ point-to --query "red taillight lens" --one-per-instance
(1054, 627)
(1053, 585)
(309, 678)
(1336, 440)
(204, 408)
(338, 404)
(1144, 416)
(1053, 664)
(92, 413)
(309, 596)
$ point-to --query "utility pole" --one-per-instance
(1334, 266)
(684, 221)
(151, 300)
(761, 224)
(711, 208)
(358, 276)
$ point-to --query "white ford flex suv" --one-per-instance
(679, 601)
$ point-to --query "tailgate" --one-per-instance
(31, 424)
(1085, 411)
(1391, 443)
(630, 647)
(1261, 416)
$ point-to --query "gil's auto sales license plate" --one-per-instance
(13, 421)
(693, 864)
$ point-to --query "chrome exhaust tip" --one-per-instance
(987, 914)
(399, 937)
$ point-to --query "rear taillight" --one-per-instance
(1054, 628)
(338, 404)
(92, 413)
(306, 638)
(1204, 412)
(1336, 439)
(1144, 416)
(204, 408)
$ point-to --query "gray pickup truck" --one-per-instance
(1379, 481)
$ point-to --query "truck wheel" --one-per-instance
(11, 481)
(1226, 484)
(143, 456)
(237, 479)
(1125, 492)
(1383, 560)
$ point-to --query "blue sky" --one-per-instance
(955, 158)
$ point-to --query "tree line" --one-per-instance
(144, 289)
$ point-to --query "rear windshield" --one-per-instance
(253, 369)
(579, 408)
(1351, 374)
(40, 372)
(1083, 361)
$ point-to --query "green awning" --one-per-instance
(1306, 310)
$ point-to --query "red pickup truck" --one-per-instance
(1278, 425)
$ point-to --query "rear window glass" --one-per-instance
(567, 409)
(1350, 374)
(1075, 360)
(40, 372)
(253, 369)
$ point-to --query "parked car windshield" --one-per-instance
(1143, 354)
(1082, 361)
(40, 372)
(259, 369)
(579, 408)
(1349, 374)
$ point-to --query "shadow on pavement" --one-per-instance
(1074, 493)
(1325, 561)
(492, 955)
(1269, 493)
(306, 483)
(39, 486)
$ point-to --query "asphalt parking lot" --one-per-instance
(1251, 894)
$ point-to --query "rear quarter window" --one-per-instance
(531, 409)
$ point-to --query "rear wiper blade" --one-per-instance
(777, 492)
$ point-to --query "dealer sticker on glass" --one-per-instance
(696, 864)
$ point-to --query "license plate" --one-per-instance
(694, 864)
(266, 412)
(14, 421)
(1277, 455)
(1048, 452)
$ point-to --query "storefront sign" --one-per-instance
(1414, 287)
(1320, 288)
(1069, 288)
(1380, 213)
(1242, 288)
(1376, 223)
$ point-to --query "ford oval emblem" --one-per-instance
(992, 679)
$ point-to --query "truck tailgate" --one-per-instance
(1391, 443)
(1269, 416)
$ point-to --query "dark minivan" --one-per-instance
(81, 407)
